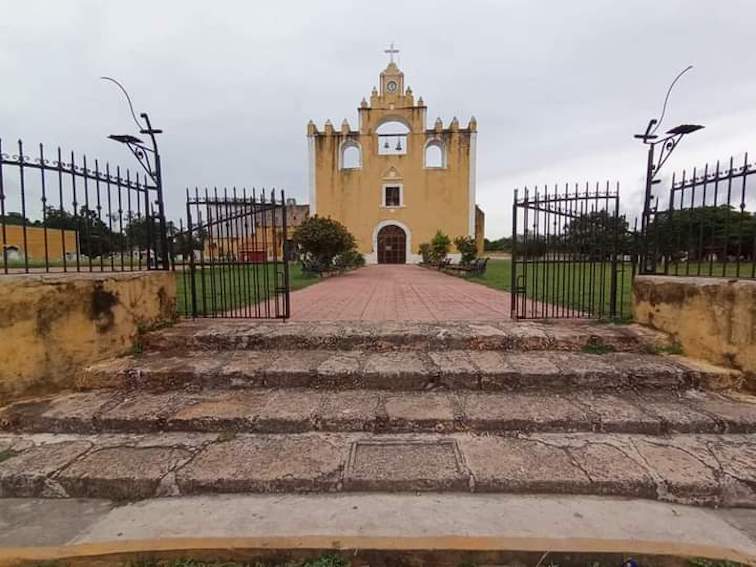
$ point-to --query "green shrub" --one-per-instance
(426, 252)
(320, 240)
(440, 245)
(349, 259)
(467, 247)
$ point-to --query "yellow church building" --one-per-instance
(394, 182)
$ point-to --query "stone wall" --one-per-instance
(712, 318)
(53, 324)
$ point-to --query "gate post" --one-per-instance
(613, 290)
(285, 251)
(192, 267)
(513, 261)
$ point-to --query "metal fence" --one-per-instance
(572, 253)
(705, 227)
(63, 212)
(232, 256)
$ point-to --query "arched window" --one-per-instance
(392, 138)
(434, 155)
(351, 155)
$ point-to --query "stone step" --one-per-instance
(225, 334)
(711, 470)
(381, 411)
(408, 370)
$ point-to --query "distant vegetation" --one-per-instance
(503, 244)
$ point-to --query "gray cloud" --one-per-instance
(558, 88)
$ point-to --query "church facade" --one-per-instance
(393, 181)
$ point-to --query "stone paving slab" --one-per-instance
(709, 470)
(398, 293)
(410, 370)
(234, 335)
(302, 410)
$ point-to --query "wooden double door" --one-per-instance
(392, 245)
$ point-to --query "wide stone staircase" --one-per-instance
(254, 407)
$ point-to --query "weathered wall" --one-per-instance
(58, 241)
(53, 324)
(712, 318)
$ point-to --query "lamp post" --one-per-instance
(654, 163)
(149, 158)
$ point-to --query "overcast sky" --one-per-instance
(558, 87)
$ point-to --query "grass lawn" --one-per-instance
(241, 288)
(564, 286)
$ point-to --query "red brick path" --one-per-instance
(398, 293)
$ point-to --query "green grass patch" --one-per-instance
(598, 348)
(674, 348)
(225, 288)
(326, 560)
(5, 455)
(579, 286)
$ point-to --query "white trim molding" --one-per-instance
(350, 143)
(441, 146)
(311, 175)
(471, 182)
(383, 204)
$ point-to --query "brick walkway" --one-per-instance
(398, 293)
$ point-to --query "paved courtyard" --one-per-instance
(398, 293)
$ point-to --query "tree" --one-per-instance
(320, 240)
(703, 232)
(596, 236)
(181, 243)
(440, 245)
(425, 252)
(503, 244)
(94, 236)
(468, 248)
(11, 218)
(143, 232)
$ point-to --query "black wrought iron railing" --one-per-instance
(64, 212)
(572, 253)
(232, 255)
(706, 225)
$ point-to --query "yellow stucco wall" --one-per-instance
(35, 241)
(433, 198)
(54, 324)
(712, 318)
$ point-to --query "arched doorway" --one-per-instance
(392, 245)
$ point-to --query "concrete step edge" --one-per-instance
(434, 529)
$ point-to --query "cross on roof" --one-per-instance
(391, 50)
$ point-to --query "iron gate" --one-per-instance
(232, 256)
(574, 255)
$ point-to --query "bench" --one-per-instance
(314, 267)
(477, 267)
